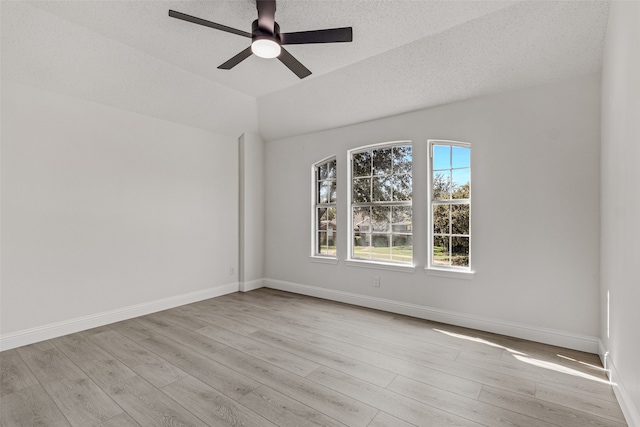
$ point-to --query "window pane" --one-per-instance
(460, 251)
(402, 159)
(362, 164)
(402, 249)
(460, 183)
(381, 216)
(322, 243)
(331, 242)
(321, 217)
(361, 220)
(380, 247)
(331, 169)
(327, 219)
(441, 255)
(402, 187)
(401, 219)
(361, 228)
(382, 161)
(441, 185)
(322, 172)
(361, 190)
(361, 246)
(460, 219)
(441, 219)
(330, 217)
(324, 190)
(382, 188)
(332, 192)
(441, 157)
(461, 158)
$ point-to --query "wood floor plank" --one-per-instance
(82, 402)
(392, 403)
(48, 363)
(122, 420)
(99, 365)
(437, 370)
(417, 331)
(14, 374)
(30, 406)
(194, 341)
(266, 357)
(333, 404)
(215, 319)
(148, 365)
(470, 409)
(275, 356)
(581, 402)
(211, 406)
(133, 330)
(546, 372)
(285, 411)
(545, 411)
(385, 420)
(271, 320)
(149, 407)
(217, 375)
(179, 318)
(79, 348)
(363, 371)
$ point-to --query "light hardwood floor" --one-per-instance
(266, 358)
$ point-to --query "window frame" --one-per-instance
(374, 263)
(316, 205)
(438, 269)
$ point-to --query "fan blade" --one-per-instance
(236, 59)
(193, 19)
(333, 35)
(266, 14)
(293, 64)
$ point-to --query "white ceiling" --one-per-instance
(405, 55)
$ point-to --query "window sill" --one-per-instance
(451, 274)
(323, 260)
(380, 265)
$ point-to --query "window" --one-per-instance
(324, 211)
(450, 205)
(381, 215)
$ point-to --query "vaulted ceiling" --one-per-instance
(405, 55)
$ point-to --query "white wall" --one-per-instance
(43, 50)
(620, 207)
(535, 238)
(251, 211)
(104, 209)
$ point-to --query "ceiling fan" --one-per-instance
(267, 40)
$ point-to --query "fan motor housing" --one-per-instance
(258, 33)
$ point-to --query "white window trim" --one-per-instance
(358, 262)
(440, 270)
(315, 257)
(323, 259)
(380, 265)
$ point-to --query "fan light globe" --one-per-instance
(265, 48)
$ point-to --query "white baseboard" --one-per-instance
(629, 410)
(517, 330)
(251, 285)
(54, 330)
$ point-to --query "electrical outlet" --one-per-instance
(232, 271)
(376, 281)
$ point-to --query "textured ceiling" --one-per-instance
(405, 55)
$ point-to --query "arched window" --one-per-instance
(380, 187)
